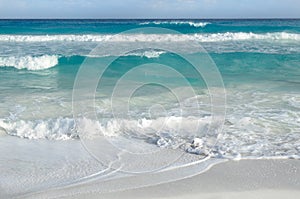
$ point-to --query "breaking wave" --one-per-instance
(52, 129)
(212, 37)
(64, 128)
(177, 132)
(48, 61)
(30, 62)
(190, 23)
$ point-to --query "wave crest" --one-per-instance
(177, 132)
(65, 128)
(207, 37)
(52, 129)
(148, 54)
(190, 23)
(30, 62)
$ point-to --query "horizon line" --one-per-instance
(208, 18)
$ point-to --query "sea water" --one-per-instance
(258, 60)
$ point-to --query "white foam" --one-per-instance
(293, 100)
(168, 132)
(148, 53)
(240, 36)
(53, 129)
(65, 128)
(207, 37)
(49, 38)
(256, 127)
(190, 23)
(30, 62)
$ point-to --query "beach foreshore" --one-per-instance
(232, 179)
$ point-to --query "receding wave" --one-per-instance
(207, 37)
(30, 62)
(190, 23)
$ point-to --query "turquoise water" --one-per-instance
(82, 101)
(259, 61)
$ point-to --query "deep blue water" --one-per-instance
(94, 26)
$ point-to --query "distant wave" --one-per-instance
(190, 23)
(149, 53)
(241, 36)
(30, 62)
(49, 38)
(44, 57)
(208, 37)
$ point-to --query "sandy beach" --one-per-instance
(233, 179)
(54, 173)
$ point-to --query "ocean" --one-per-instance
(130, 92)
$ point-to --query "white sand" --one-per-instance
(27, 167)
(233, 179)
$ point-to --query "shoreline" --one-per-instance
(231, 179)
(219, 178)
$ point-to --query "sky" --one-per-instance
(149, 8)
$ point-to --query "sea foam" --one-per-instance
(190, 23)
(184, 133)
(30, 62)
(205, 37)
(52, 129)
(64, 128)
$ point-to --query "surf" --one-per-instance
(201, 37)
